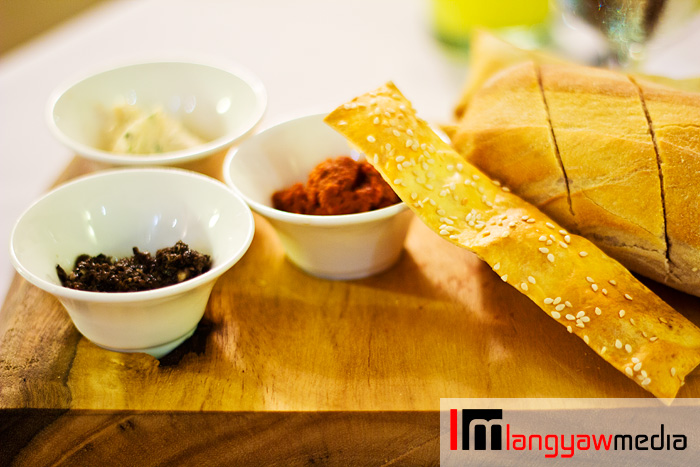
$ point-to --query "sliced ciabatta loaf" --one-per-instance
(626, 149)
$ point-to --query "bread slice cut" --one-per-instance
(675, 122)
(506, 132)
(608, 153)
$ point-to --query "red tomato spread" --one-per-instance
(339, 185)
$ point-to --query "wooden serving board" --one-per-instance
(287, 369)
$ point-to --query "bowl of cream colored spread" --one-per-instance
(156, 113)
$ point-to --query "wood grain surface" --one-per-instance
(288, 369)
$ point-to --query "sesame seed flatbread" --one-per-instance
(593, 296)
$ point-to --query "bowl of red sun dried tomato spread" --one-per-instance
(334, 214)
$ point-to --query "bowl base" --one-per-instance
(158, 351)
(346, 275)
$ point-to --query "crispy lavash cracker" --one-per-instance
(590, 294)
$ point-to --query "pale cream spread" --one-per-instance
(133, 131)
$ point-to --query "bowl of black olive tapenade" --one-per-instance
(133, 254)
(141, 271)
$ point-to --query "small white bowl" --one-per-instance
(348, 246)
(221, 105)
(112, 211)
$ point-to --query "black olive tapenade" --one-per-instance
(135, 273)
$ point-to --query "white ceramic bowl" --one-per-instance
(112, 211)
(346, 246)
(221, 105)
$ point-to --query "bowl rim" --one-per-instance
(172, 157)
(304, 219)
(154, 294)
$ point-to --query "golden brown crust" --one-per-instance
(555, 135)
(489, 55)
(675, 121)
(572, 280)
(507, 131)
(608, 153)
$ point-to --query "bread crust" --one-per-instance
(510, 134)
(675, 122)
(608, 152)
